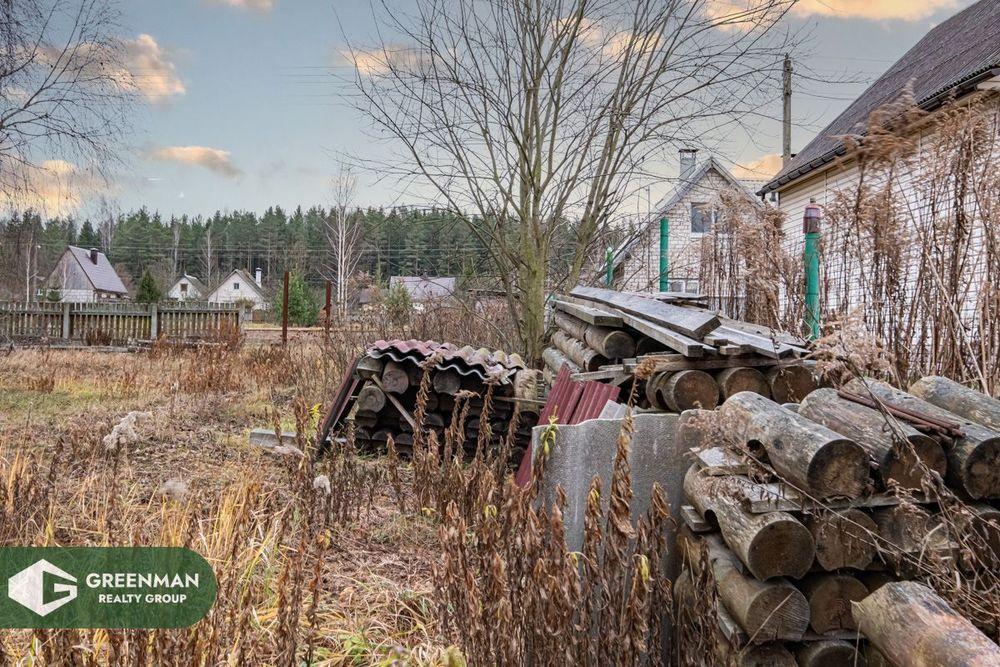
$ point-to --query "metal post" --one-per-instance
(284, 313)
(609, 268)
(786, 116)
(811, 228)
(326, 322)
(664, 254)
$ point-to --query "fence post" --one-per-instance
(329, 306)
(810, 227)
(664, 254)
(154, 322)
(284, 313)
(67, 331)
(609, 267)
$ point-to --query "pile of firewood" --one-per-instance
(380, 395)
(806, 524)
(698, 358)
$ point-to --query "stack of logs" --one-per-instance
(797, 515)
(697, 358)
(385, 403)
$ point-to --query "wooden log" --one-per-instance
(792, 383)
(370, 399)
(555, 360)
(909, 532)
(900, 451)
(914, 627)
(830, 653)
(612, 343)
(581, 355)
(985, 521)
(741, 378)
(958, 399)
(811, 456)
(844, 539)
(395, 379)
(446, 381)
(647, 345)
(764, 655)
(766, 611)
(689, 390)
(830, 596)
(369, 366)
(973, 458)
(651, 391)
(771, 545)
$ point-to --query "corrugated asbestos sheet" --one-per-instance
(465, 360)
(571, 403)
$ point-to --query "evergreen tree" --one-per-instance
(149, 291)
(302, 306)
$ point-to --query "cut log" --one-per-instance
(651, 391)
(612, 343)
(900, 451)
(914, 627)
(368, 366)
(910, 533)
(447, 381)
(830, 653)
(809, 455)
(688, 390)
(771, 545)
(371, 399)
(973, 458)
(985, 521)
(765, 655)
(959, 399)
(555, 360)
(647, 345)
(791, 384)
(581, 355)
(830, 597)
(844, 539)
(395, 379)
(766, 611)
(741, 378)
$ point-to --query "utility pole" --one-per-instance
(786, 116)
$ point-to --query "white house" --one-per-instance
(423, 289)
(188, 288)
(690, 211)
(85, 275)
(239, 286)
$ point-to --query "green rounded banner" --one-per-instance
(104, 587)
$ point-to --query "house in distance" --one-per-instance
(83, 275)
(188, 288)
(240, 287)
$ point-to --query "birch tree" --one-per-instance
(343, 234)
(542, 117)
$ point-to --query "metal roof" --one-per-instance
(951, 58)
(101, 275)
(424, 289)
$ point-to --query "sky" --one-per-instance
(243, 108)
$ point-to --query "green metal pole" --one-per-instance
(664, 253)
(609, 272)
(810, 226)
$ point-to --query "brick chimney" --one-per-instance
(93, 256)
(688, 160)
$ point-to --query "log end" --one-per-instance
(830, 653)
(791, 384)
(839, 469)
(779, 613)
(982, 470)
(905, 468)
(783, 548)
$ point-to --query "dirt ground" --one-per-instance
(375, 601)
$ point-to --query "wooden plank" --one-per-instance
(590, 315)
(689, 347)
(722, 462)
(776, 496)
(604, 373)
(679, 363)
(688, 321)
(694, 521)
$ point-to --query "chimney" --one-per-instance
(688, 158)
(93, 256)
(257, 277)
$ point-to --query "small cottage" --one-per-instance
(240, 287)
(83, 275)
(188, 288)
(423, 289)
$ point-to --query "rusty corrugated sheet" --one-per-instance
(341, 401)
(571, 403)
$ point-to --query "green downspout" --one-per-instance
(609, 271)
(664, 254)
(810, 227)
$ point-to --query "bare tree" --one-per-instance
(540, 118)
(208, 259)
(343, 234)
(65, 89)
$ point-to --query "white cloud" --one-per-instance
(212, 159)
(154, 74)
(761, 168)
(256, 5)
(734, 13)
(55, 188)
(380, 61)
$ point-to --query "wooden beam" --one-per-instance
(688, 321)
(590, 315)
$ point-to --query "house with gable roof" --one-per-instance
(83, 275)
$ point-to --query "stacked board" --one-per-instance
(812, 520)
(698, 357)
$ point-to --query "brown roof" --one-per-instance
(950, 59)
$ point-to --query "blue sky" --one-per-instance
(245, 111)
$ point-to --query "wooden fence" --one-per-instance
(117, 322)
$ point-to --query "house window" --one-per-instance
(703, 217)
(676, 285)
(236, 286)
(692, 287)
(184, 288)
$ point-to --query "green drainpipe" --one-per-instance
(609, 272)
(810, 227)
(664, 254)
